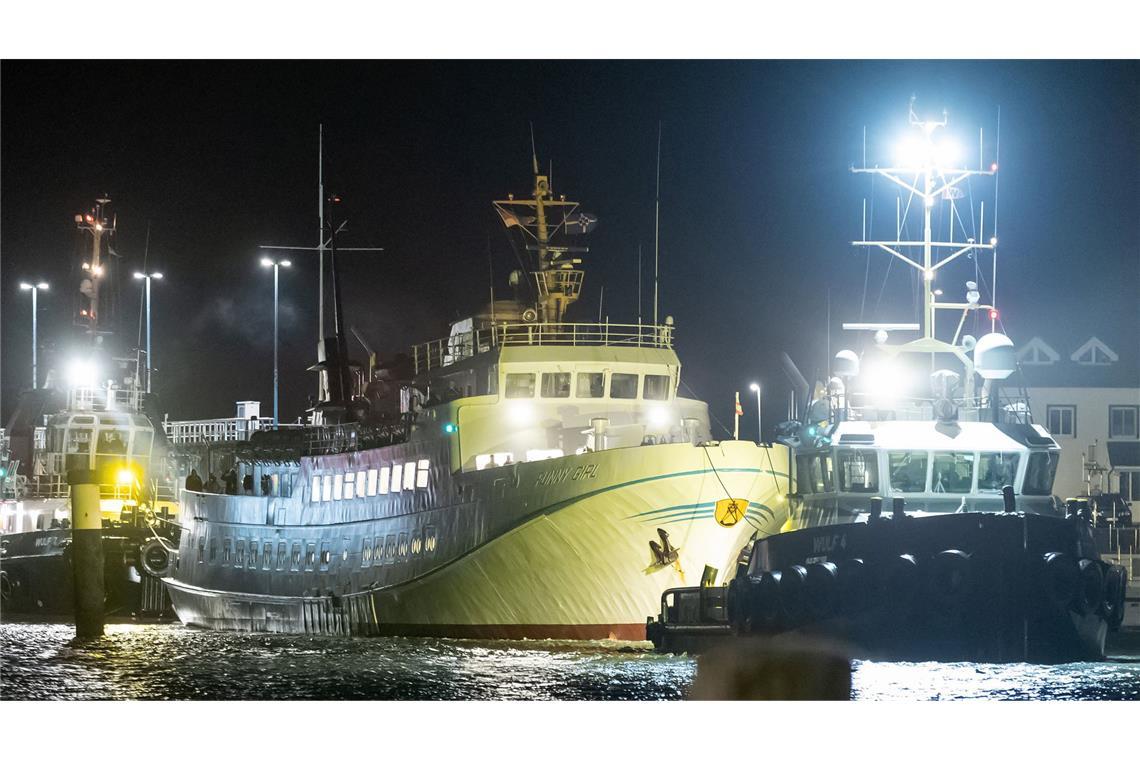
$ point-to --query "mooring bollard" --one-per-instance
(1007, 499)
(86, 553)
(898, 508)
(876, 507)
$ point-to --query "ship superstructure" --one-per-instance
(525, 476)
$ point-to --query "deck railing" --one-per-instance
(218, 430)
(446, 351)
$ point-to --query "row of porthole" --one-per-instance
(385, 480)
(395, 548)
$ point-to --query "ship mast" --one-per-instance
(94, 268)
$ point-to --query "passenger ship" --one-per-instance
(539, 478)
(922, 523)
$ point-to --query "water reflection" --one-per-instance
(173, 662)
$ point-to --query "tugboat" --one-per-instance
(524, 477)
(969, 560)
(92, 413)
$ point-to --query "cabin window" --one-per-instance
(1122, 421)
(252, 554)
(338, 486)
(310, 557)
(282, 555)
(350, 485)
(239, 553)
(417, 543)
(366, 552)
(429, 540)
(227, 550)
(422, 473)
(520, 385)
(556, 385)
(390, 548)
(326, 556)
(409, 476)
(953, 472)
(908, 471)
(372, 482)
(858, 471)
(997, 469)
(201, 548)
(623, 385)
(385, 476)
(213, 550)
(141, 445)
(267, 555)
(111, 442)
(1039, 473)
(397, 475)
(591, 385)
(295, 557)
(326, 488)
(1062, 420)
(656, 387)
(316, 490)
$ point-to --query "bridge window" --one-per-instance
(656, 387)
(591, 385)
(422, 473)
(213, 550)
(858, 471)
(350, 485)
(1039, 473)
(409, 476)
(372, 482)
(338, 486)
(267, 556)
(326, 488)
(397, 475)
(908, 471)
(997, 469)
(556, 385)
(953, 473)
(623, 385)
(385, 475)
(227, 550)
(520, 385)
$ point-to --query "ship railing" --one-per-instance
(445, 351)
(353, 436)
(89, 399)
(56, 487)
(869, 406)
(219, 430)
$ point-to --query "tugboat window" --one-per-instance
(591, 385)
(997, 469)
(1039, 473)
(520, 385)
(338, 486)
(908, 471)
(803, 474)
(556, 385)
(623, 385)
(385, 476)
(858, 471)
(656, 387)
(953, 473)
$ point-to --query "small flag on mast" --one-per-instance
(736, 418)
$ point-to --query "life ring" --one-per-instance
(792, 601)
(1060, 579)
(1115, 589)
(821, 587)
(155, 558)
(764, 602)
(1090, 589)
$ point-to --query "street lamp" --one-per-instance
(148, 278)
(34, 288)
(276, 264)
(755, 388)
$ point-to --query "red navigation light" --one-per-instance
(90, 219)
(994, 314)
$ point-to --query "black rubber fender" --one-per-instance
(950, 577)
(821, 588)
(901, 584)
(854, 586)
(793, 581)
(766, 616)
(1060, 579)
(1090, 590)
(1115, 590)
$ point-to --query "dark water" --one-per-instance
(173, 662)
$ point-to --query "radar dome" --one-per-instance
(994, 357)
(846, 363)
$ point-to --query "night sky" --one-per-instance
(757, 203)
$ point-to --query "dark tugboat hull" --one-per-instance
(959, 587)
(36, 576)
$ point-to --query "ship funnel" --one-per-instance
(994, 357)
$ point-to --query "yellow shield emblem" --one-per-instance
(730, 511)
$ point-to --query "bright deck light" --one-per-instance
(81, 374)
(125, 476)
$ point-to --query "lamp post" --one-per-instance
(148, 278)
(276, 264)
(38, 286)
(755, 388)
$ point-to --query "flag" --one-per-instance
(736, 418)
(739, 408)
(509, 219)
(580, 224)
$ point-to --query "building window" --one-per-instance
(409, 476)
(556, 385)
(656, 387)
(422, 473)
(591, 385)
(1122, 421)
(372, 482)
(316, 492)
(1062, 420)
(520, 385)
(623, 385)
(397, 475)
